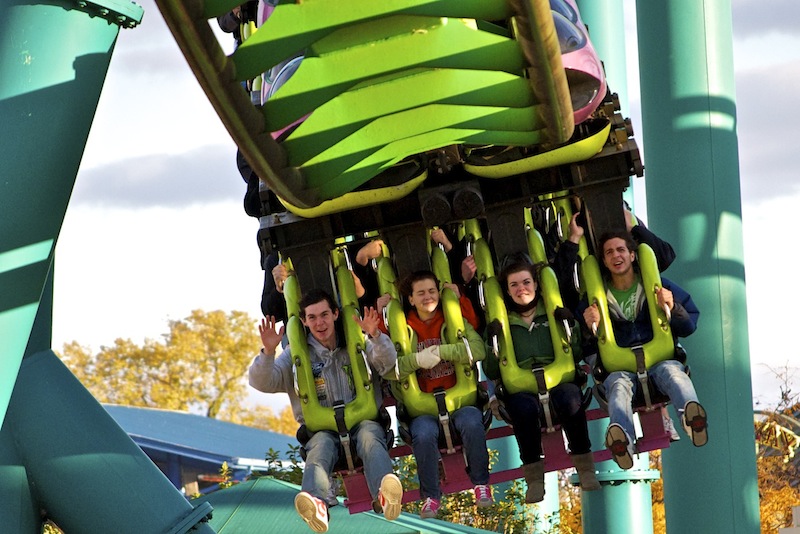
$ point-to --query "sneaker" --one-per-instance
(313, 511)
(390, 496)
(430, 509)
(618, 442)
(483, 496)
(669, 426)
(695, 423)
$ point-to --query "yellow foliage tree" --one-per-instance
(199, 366)
(264, 417)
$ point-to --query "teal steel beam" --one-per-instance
(606, 23)
(61, 454)
(53, 62)
(625, 494)
(694, 200)
(88, 475)
(19, 510)
(627, 505)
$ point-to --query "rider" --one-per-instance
(330, 363)
(631, 324)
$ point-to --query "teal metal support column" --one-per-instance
(19, 511)
(53, 61)
(606, 23)
(61, 454)
(548, 512)
(694, 200)
(624, 504)
(627, 505)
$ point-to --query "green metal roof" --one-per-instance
(267, 505)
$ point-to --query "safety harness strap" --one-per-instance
(544, 397)
(641, 374)
(344, 434)
(444, 418)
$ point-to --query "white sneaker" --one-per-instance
(669, 426)
(390, 496)
(430, 509)
(313, 511)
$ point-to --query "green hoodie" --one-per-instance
(533, 345)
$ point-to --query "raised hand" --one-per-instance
(270, 335)
(369, 323)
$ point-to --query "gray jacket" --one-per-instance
(272, 374)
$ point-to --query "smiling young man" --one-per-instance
(630, 320)
(330, 363)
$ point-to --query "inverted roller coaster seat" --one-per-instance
(661, 347)
(350, 467)
(562, 369)
(408, 391)
(365, 404)
(636, 359)
(453, 466)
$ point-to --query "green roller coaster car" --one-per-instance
(389, 95)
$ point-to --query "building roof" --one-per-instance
(265, 504)
(197, 437)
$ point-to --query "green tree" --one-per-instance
(200, 365)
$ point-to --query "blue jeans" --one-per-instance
(525, 409)
(322, 452)
(669, 376)
(424, 429)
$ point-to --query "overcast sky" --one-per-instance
(155, 227)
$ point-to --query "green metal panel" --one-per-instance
(19, 511)
(689, 117)
(450, 45)
(295, 27)
(377, 50)
(354, 109)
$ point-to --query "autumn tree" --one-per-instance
(264, 417)
(200, 365)
(778, 440)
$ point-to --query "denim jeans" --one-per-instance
(424, 429)
(322, 452)
(525, 409)
(669, 376)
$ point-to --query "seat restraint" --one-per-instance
(344, 435)
(544, 397)
(444, 419)
(641, 374)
